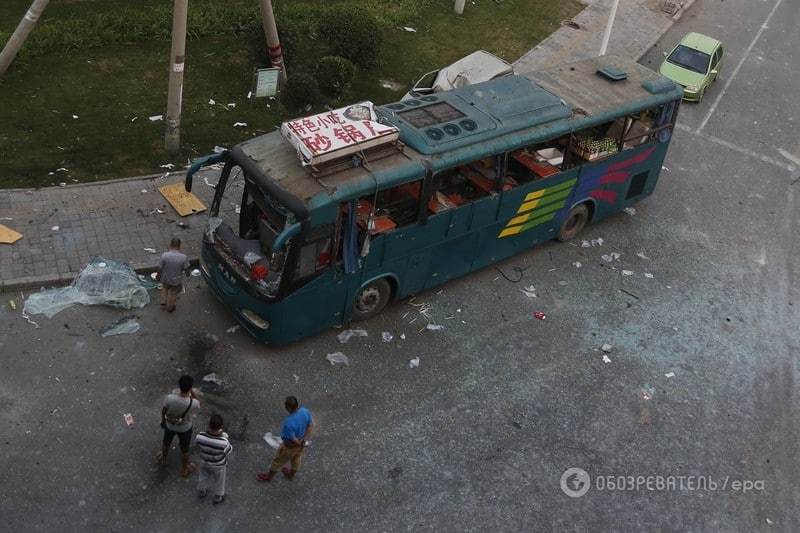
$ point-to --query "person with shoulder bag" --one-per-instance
(177, 415)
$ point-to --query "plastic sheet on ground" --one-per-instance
(273, 440)
(348, 334)
(102, 282)
(414, 363)
(338, 358)
(124, 326)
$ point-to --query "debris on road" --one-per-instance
(338, 358)
(648, 275)
(410, 29)
(184, 203)
(12, 304)
(647, 392)
(403, 336)
(627, 272)
(128, 417)
(538, 315)
(212, 378)
(101, 282)
(150, 250)
(414, 363)
(233, 329)
(348, 334)
(195, 273)
(273, 440)
(529, 291)
(669, 375)
(606, 348)
(126, 325)
(606, 359)
(630, 210)
(240, 124)
(434, 327)
(8, 235)
(613, 256)
(55, 228)
(577, 264)
(156, 118)
(386, 336)
(642, 256)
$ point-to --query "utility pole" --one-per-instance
(607, 34)
(177, 58)
(21, 33)
(271, 33)
(459, 7)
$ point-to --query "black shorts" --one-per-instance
(184, 439)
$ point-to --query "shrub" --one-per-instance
(301, 90)
(353, 33)
(334, 75)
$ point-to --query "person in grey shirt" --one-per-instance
(177, 414)
(173, 266)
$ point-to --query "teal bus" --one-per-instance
(348, 210)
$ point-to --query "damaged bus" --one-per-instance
(345, 211)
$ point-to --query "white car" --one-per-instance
(477, 67)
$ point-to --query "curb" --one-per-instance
(34, 283)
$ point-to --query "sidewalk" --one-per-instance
(119, 219)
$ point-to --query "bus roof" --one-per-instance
(486, 116)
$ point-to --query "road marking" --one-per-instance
(740, 149)
(788, 155)
(738, 66)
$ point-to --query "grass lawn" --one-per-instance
(113, 89)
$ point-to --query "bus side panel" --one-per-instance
(621, 179)
(317, 305)
(451, 257)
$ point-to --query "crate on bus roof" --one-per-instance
(336, 134)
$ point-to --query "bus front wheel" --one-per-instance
(576, 219)
(371, 299)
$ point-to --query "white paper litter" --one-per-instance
(195, 273)
(150, 250)
(586, 244)
(642, 256)
(410, 29)
(529, 291)
(613, 256)
(598, 241)
(154, 276)
(386, 336)
(630, 210)
(230, 105)
(249, 94)
(648, 275)
(211, 101)
(168, 166)
(156, 118)
(273, 440)
(627, 272)
(414, 363)
(434, 327)
(212, 378)
(233, 329)
(403, 336)
(606, 348)
(75, 116)
(669, 375)
(219, 149)
(240, 124)
(577, 264)
(54, 228)
(606, 359)
(338, 358)
(348, 334)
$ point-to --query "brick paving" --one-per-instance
(117, 220)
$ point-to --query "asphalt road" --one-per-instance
(478, 436)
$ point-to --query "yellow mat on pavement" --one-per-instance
(8, 235)
(185, 203)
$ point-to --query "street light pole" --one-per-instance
(607, 33)
(24, 29)
(271, 33)
(177, 58)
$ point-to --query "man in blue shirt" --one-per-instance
(296, 429)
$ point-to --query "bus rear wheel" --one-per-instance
(576, 219)
(371, 299)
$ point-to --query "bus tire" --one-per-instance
(371, 299)
(576, 219)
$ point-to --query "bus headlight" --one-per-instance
(254, 319)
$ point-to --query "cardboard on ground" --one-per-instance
(185, 203)
(8, 235)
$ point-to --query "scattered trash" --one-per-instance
(403, 336)
(410, 29)
(150, 250)
(75, 117)
(212, 378)
(669, 375)
(627, 272)
(577, 264)
(156, 118)
(219, 149)
(606, 359)
(386, 336)
(126, 325)
(195, 273)
(529, 291)
(296, 378)
(143, 191)
(230, 105)
(12, 304)
(613, 256)
(273, 440)
(347, 334)
(647, 392)
(338, 358)
(391, 85)
(597, 242)
(665, 169)
(212, 185)
(414, 363)
(538, 315)
(211, 101)
(606, 348)
(641, 255)
(240, 124)
(769, 522)
(630, 210)
(648, 275)
(168, 166)
(434, 327)
(102, 281)
(249, 94)
(154, 276)
(128, 417)
(233, 329)
(54, 228)
(134, 119)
